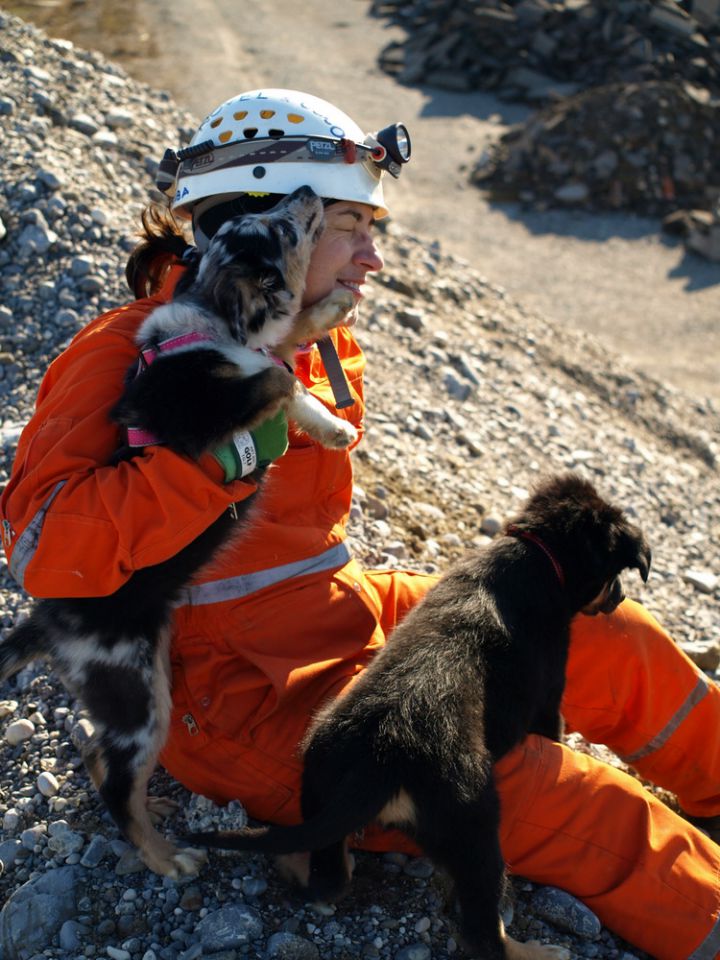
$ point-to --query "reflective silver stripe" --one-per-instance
(30, 537)
(710, 947)
(699, 691)
(233, 588)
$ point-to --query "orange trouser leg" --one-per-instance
(576, 823)
(630, 687)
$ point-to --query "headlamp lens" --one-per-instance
(402, 141)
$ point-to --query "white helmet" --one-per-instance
(274, 141)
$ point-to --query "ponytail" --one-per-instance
(162, 241)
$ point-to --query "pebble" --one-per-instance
(566, 912)
(82, 733)
(289, 946)
(192, 899)
(69, 936)
(95, 852)
(115, 953)
(31, 837)
(8, 852)
(229, 927)
(703, 580)
(254, 886)
(47, 784)
(19, 731)
(11, 819)
(34, 913)
(414, 951)
(66, 843)
(491, 526)
(419, 868)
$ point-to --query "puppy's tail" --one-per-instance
(27, 641)
(350, 810)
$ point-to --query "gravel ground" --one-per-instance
(471, 398)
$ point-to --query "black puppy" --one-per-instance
(473, 669)
(208, 370)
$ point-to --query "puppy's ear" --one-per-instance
(637, 551)
(228, 295)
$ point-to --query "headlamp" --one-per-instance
(390, 148)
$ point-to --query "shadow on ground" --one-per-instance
(478, 104)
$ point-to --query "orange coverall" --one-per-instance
(286, 618)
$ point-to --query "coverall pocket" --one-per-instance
(210, 763)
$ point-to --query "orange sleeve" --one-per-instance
(73, 526)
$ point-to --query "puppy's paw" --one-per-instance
(184, 862)
(339, 436)
(327, 313)
(189, 861)
(534, 950)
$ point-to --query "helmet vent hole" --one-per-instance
(275, 133)
(225, 136)
(216, 122)
(249, 132)
(240, 115)
(295, 118)
(267, 114)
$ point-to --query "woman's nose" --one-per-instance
(369, 256)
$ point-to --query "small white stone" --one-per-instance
(11, 819)
(18, 731)
(117, 954)
(47, 784)
(99, 216)
(702, 580)
(7, 708)
(81, 733)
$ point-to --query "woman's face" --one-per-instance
(344, 254)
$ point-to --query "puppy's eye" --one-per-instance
(287, 231)
(271, 282)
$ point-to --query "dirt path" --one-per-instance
(615, 276)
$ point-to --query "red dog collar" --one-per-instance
(513, 531)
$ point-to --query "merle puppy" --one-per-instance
(474, 668)
(208, 369)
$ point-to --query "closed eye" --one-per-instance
(287, 230)
(271, 282)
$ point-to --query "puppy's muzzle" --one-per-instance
(611, 597)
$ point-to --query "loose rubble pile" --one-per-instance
(630, 97)
(471, 398)
(535, 49)
(650, 147)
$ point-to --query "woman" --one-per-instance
(287, 618)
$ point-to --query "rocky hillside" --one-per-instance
(471, 399)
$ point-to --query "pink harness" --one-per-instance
(137, 436)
